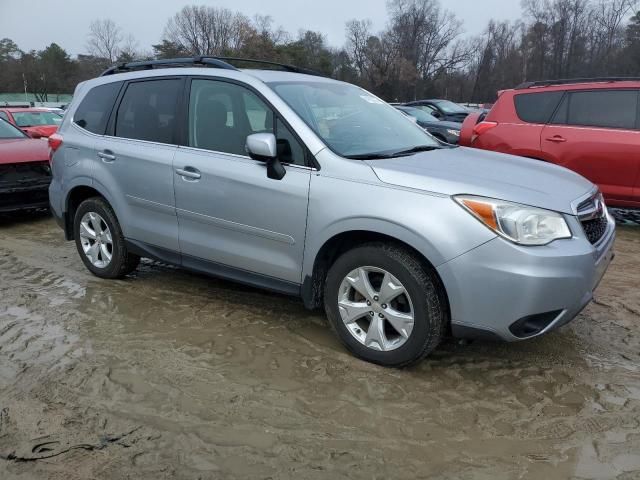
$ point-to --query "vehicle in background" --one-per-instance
(35, 122)
(477, 107)
(448, 132)
(312, 187)
(591, 126)
(25, 173)
(57, 110)
(444, 110)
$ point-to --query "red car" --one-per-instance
(589, 126)
(35, 122)
(25, 173)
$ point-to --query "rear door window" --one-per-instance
(599, 108)
(537, 107)
(148, 110)
(93, 112)
(4, 116)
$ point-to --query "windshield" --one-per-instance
(449, 107)
(35, 119)
(9, 131)
(420, 115)
(350, 120)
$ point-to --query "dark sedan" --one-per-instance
(444, 110)
(448, 132)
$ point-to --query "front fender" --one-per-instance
(434, 225)
(371, 225)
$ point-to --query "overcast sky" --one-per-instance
(33, 24)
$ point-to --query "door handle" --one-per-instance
(189, 173)
(556, 139)
(107, 156)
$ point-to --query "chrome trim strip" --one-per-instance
(235, 155)
(148, 204)
(238, 227)
(587, 196)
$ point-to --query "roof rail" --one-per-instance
(283, 66)
(169, 62)
(204, 61)
(570, 81)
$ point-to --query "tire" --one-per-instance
(121, 262)
(426, 301)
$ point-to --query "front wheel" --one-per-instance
(100, 241)
(385, 305)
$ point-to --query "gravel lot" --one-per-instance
(172, 375)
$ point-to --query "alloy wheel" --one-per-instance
(96, 240)
(376, 308)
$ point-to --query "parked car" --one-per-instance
(35, 122)
(308, 186)
(25, 173)
(448, 132)
(588, 126)
(444, 110)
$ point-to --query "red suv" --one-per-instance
(589, 126)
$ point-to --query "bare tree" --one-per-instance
(129, 49)
(104, 39)
(609, 15)
(204, 30)
(358, 35)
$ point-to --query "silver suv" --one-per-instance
(312, 187)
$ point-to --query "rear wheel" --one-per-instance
(385, 306)
(100, 241)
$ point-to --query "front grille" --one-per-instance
(19, 174)
(595, 229)
(593, 217)
(24, 186)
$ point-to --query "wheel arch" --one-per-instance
(75, 197)
(337, 244)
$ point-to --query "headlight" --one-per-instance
(455, 133)
(519, 223)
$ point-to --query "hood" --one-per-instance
(442, 125)
(21, 150)
(478, 172)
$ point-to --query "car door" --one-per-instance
(135, 160)
(595, 134)
(233, 219)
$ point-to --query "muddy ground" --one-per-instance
(172, 375)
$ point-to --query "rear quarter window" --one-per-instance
(537, 107)
(93, 112)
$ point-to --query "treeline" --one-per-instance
(421, 53)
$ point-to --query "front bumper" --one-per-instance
(498, 284)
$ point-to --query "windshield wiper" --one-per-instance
(399, 153)
(416, 149)
(370, 156)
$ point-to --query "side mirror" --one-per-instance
(32, 134)
(263, 147)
